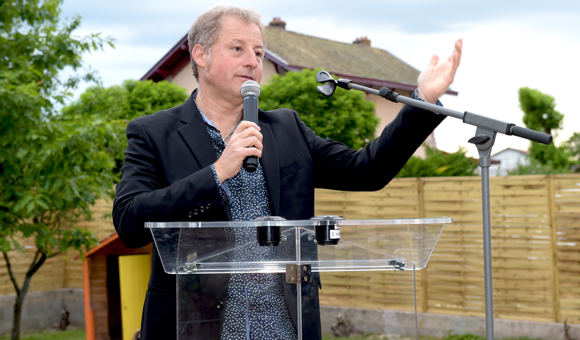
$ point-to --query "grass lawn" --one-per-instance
(372, 337)
(78, 334)
(421, 337)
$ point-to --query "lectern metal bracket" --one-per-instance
(298, 273)
(190, 266)
(400, 265)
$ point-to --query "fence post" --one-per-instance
(554, 248)
(421, 203)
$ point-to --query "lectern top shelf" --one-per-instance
(324, 244)
(296, 223)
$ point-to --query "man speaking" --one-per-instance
(186, 164)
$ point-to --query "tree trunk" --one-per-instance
(17, 316)
(39, 259)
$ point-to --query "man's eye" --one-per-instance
(237, 48)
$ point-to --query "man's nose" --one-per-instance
(251, 60)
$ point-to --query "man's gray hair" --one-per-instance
(205, 29)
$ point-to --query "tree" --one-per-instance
(540, 114)
(534, 167)
(539, 110)
(50, 170)
(121, 104)
(573, 145)
(345, 117)
(439, 163)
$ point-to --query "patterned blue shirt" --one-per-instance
(256, 308)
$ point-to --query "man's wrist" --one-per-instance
(223, 188)
(422, 97)
(219, 174)
(416, 95)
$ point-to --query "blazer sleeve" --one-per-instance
(143, 195)
(371, 168)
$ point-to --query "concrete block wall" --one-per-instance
(441, 325)
(43, 309)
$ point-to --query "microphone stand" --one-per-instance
(484, 138)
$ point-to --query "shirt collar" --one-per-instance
(205, 119)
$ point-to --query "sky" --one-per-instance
(506, 45)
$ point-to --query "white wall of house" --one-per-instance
(184, 78)
(509, 160)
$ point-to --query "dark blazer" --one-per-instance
(167, 177)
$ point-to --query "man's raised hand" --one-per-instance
(437, 77)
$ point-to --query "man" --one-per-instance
(185, 164)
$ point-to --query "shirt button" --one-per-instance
(219, 305)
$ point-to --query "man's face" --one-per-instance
(235, 58)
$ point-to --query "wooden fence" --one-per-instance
(535, 248)
(61, 271)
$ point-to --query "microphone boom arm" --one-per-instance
(467, 117)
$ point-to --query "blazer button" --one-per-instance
(195, 211)
(219, 305)
(208, 206)
(201, 209)
(189, 214)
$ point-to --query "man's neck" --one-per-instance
(224, 114)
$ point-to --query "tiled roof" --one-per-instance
(306, 51)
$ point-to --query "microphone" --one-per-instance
(250, 92)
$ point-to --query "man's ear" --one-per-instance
(198, 54)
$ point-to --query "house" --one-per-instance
(508, 161)
(290, 51)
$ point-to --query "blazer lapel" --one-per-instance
(271, 167)
(195, 134)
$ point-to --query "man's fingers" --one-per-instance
(245, 124)
(251, 132)
(457, 53)
(247, 129)
(253, 151)
(252, 142)
(434, 60)
(454, 60)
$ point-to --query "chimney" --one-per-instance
(277, 22)
(362, 41)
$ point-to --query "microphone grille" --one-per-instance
(250, 87)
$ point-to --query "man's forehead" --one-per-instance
(237, 30)
(257, 44)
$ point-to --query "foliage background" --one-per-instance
(345, 117)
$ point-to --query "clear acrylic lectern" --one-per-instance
(261, 277)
